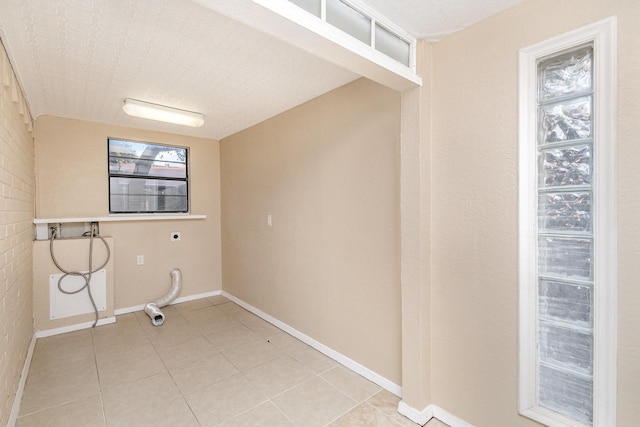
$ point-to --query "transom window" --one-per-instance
(364, 25)
(147, 178)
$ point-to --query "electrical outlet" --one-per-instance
(175, 236)
(140, 260)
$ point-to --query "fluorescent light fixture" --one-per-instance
(162, 113)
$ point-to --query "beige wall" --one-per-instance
(328, 173)
(475, 207)
(16, 231)
(71, 171)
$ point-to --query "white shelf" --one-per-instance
(116, 218)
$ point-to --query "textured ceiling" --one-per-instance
(81, 58)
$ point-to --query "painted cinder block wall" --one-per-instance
(17, 189)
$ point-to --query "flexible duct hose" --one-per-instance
(86, 276)
(153, 308)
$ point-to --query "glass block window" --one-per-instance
(565, 233)
(147, 178)
(567, 222)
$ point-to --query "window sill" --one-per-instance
(121, 217)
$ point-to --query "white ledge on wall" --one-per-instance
(116, 218)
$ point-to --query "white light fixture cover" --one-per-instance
(162, 113)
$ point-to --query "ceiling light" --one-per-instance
(162, 113)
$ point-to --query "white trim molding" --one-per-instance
(431, 411)
(602, 36)
(418, 417)
(75, 327)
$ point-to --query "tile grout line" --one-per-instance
(95, 361)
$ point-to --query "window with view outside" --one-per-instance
(147, 178)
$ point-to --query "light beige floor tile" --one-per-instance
(73, 344)
(434, 422)
(232, 336)
(60, 362)
(193, 305)
(187, 353)
(173, 331)
(195, 376)
(152, 401)
(51, 387)
(203, 314)
(129, 365)
(313, 403)
(224, 400)
(118, 337)
(264, 328)
(286, 342)
(312, 359)
(206, 321)
(353, 385)
(218, 299)
(278, 375)
(84, 412)
(388, 403)
(228, 308)
(253, 354)
(264, 415)
(244, 316)
(364, 415)
(61, 355)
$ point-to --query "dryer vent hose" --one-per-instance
(153, 308)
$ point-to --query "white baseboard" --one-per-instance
(449, 418)
(338, 357)
(418, 417)
(431, 411)
(15, 409)
(140, 307)
(72, 328)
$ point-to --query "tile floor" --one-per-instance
(211, 364)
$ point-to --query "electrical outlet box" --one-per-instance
(175, 236)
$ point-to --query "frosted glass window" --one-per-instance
(311, 6)
(392, 45)
(349, 20)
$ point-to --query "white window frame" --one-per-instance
(603, 36)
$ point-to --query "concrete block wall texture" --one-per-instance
(17, 188)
